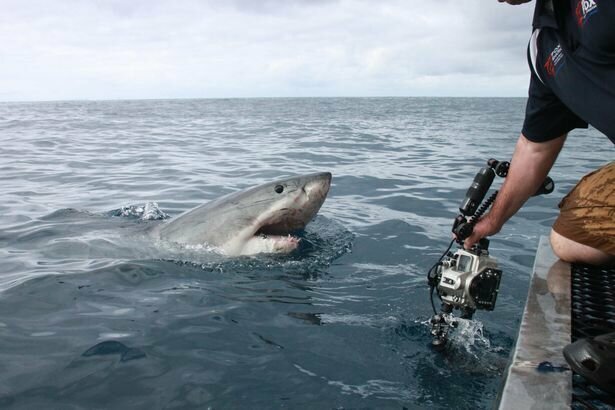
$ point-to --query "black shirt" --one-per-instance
(572, 60)
(544, 15)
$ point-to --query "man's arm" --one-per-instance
(529, 167)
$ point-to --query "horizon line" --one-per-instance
(252, 98)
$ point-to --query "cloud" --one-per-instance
(69, 49)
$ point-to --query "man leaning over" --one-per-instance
(572, 62)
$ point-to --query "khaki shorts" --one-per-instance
(587, 213)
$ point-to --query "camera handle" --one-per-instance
(462, 227)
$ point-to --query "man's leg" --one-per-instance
(571, 251)
(585, 228)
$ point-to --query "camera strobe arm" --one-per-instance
(473, 208)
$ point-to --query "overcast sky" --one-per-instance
(118, 49)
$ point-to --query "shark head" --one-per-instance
(261, 219)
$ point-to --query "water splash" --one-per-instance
(469, 334)
(150, 211)
(465, 333)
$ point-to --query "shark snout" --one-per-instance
(317, 186)
(315, 189)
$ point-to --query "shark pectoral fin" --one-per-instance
(270, 244)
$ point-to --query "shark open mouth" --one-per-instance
(278, 229)
(270, 239)
(277, 235)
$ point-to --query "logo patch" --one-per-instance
(555, 61)
(585, 9)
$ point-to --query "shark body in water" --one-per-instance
(261, 219)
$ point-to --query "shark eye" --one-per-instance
(279, 189)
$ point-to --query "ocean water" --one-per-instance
(95, 314)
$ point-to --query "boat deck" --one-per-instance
(564, 303)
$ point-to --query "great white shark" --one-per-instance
(261, 219)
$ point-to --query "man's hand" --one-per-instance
(485, 226)
(514, 2)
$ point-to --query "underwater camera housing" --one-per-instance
(464, 280)
(469, 280)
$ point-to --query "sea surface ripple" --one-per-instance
(95, 314)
